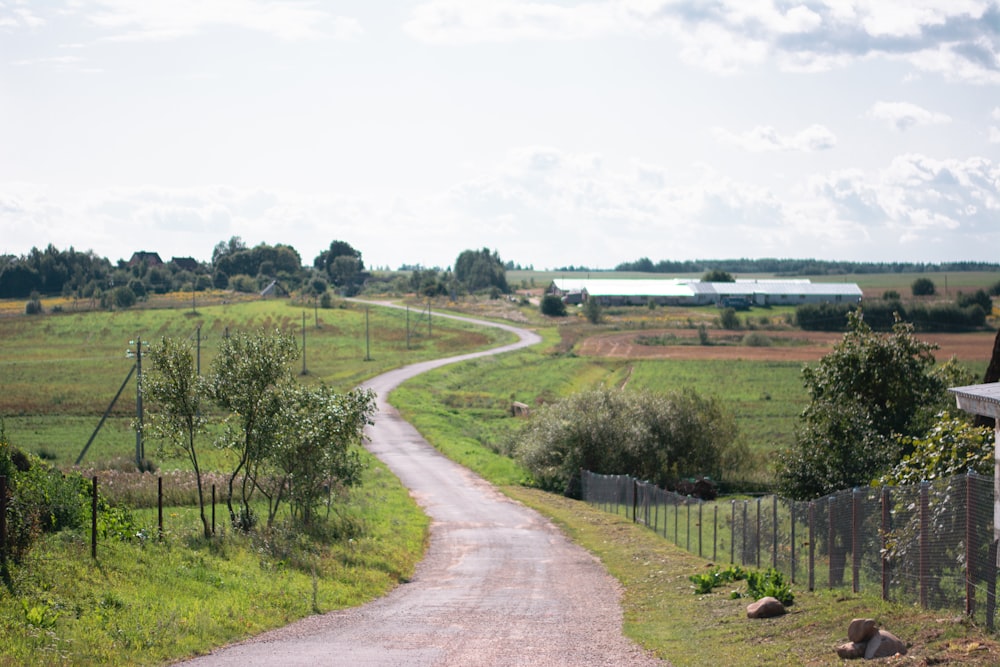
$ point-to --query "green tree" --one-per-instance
(865, 396)
(553, 306)
(249, 377)
(657, 437)
(176, 395)
(592, 310)
(718, 276)
(479, 270)
(953, 446)
(922, 287)
(315, 454)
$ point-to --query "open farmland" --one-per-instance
(62, 370)
(805, 346)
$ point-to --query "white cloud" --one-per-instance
(903, 115)
(767, 139)
(543, 205)
(955, 38)
(171, 19)
(994, 134)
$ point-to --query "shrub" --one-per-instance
(553, 306)
(657, 437)
(769, 583)
(923, 287)
(729, 319)
(33, 307)
(756, 339)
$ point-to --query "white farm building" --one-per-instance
(689, 292)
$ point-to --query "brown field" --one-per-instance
(974, 347)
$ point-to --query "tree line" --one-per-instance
(798, 267)
(339, 268)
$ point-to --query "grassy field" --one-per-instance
(68, 610)
(149, 601)
(61, 371)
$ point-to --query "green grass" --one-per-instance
(663, 614)
(61, 371)
(153, 602)
(473, 399)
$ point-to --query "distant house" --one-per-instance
(147, 258)
(185, 263)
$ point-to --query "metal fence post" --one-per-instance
(855, 540)
(774, 538)
(991, 587)
(758, 533)
(791, 516)
(812, 546)
(970, 552)
(885, 542)
(700, 503)
(715, 532)
(832, 536)
(925, 523)
(732, 533)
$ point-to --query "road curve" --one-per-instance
(499, 585)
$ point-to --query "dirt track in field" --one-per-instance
(786, 346)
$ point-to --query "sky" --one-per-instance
(556, 133)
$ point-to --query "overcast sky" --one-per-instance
(554, 132)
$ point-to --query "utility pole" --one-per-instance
(368, 356)
(139, 453)
(304, 371)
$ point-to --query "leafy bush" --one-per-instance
(923, 287)
(553, 306)
(33, 307)
(769, 583)
(657, 437)
(705, 583)
(756, 339)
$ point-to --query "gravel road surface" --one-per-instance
(499, 586)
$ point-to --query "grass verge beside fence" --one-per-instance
(662, 613)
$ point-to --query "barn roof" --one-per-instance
(624, 287)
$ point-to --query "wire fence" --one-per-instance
(930, 544)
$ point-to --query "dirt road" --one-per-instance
(500, 585)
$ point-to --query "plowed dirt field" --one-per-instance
(785, 345)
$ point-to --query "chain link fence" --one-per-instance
(930, 544)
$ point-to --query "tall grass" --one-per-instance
(150, 601)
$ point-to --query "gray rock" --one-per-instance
(767, 607)
(861, 630)
(883, 645)
(851, 650)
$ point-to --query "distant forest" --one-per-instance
(797, 267)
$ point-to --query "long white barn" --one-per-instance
(681, 291)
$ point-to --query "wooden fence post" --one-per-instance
(159, 504)
(3, 518)
(93, 518)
